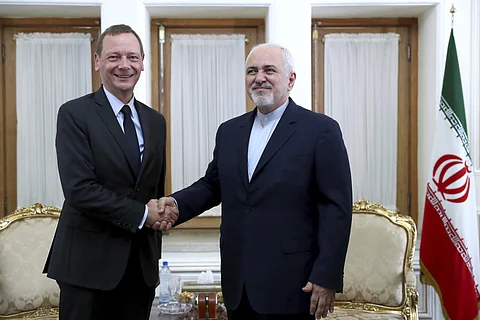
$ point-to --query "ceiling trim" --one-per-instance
(89, 3)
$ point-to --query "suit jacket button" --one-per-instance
(137, 189)
(249, 209)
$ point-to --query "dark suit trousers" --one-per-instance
(246, 312)
(130, 300)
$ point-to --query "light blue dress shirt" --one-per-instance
(263, 127)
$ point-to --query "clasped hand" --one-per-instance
(162, 213)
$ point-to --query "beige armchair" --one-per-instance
(25, 238)
(379, 278)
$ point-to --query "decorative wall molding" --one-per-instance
(52, 2)
(189, 252)
(209, 3)
(375, 2)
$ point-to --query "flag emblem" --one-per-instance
(450, 175)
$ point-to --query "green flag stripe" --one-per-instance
(456, 125)
(452, 84)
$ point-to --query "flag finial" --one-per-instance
(452, 11)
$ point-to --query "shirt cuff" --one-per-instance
(144, 218)
(176, 203)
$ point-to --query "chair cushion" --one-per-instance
(24, 246)
(375, 261)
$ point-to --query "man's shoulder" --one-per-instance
(79, 104)
(140, 104)
(238, 120)
(150, 111)
(318, 118)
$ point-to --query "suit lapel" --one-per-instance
(105, 112)
(145, 123)
(282, 133)
(242, 145)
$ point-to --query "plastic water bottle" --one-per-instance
(165, 278)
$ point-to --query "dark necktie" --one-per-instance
(131, 136)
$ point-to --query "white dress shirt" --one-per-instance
(262, 130)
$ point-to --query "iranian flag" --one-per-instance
(449, 250)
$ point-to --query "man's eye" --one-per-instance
(270, 71)
(112, 58)
(251, 71)
(134, 58)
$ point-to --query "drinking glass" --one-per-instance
(175, 287)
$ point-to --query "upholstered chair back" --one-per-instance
(379, 277)
(25, 238)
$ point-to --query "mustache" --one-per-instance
(254, 86)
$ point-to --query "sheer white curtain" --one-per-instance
(207, 88)
(50, 69)
(361, 93)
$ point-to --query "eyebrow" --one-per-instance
(119, 53)
(269, 66)
(263, 67)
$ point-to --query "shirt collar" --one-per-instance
(117, 105)
(272, 116)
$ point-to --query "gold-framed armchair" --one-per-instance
(25, 238)
(379, 279)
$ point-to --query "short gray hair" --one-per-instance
(286, 55)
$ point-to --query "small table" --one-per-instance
(192, 315)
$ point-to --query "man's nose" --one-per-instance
(124, 64)
(260, 77)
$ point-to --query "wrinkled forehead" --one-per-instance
(265, 56)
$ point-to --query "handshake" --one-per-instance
(162, 213)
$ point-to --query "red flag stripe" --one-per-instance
(458, 292)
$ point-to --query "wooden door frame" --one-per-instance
(32, 24)
(412, 24)
(259, 24)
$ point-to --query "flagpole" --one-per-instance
(452, 11)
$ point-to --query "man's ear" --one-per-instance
(291, 80)
(96, 58)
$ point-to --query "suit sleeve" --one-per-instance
(334, 185)
(203, 194)
(76, 168)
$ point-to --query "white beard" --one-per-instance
(262, 99)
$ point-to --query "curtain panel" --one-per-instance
(361, 93)
(50, 70)
(207, 88)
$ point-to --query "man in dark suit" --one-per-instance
(111, 161)
(282, 175)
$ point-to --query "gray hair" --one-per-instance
(286, 55)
